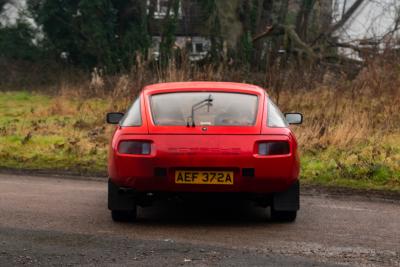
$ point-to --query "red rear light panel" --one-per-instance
(273, 148)
(134, 147)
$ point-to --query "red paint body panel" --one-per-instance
(228, 148)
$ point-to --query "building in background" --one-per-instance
(190, 31)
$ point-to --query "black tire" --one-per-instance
(123, 215)
(283, 216)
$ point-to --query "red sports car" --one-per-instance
(206, 139)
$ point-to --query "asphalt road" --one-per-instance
(53, 221)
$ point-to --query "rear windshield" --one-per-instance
(204, 109)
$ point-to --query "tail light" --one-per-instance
(273, 148)
(134, 147)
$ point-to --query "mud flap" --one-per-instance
(119, 198)
(288, 200)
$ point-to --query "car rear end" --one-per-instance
(203, 138)
(171, 161)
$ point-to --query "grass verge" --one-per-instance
(62, 134)
(374, 164)
(38, 132)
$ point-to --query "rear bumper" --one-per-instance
(252, 173)
(241, 184)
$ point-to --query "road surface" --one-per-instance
(54, 221)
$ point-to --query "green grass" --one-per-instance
(371, 165)
(49, 153)
(38, 132)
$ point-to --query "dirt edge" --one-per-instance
(306, 188)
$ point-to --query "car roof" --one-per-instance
(184, 86)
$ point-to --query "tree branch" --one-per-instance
(294, 37)
(346, 16)
(268, 31)
(298, 42)
(349, 13)
(345, 45)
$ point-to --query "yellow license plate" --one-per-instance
(203, 177)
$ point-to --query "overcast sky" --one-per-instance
(374, 18)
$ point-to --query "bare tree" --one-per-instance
(303, 18)
(314, 48)
(381, 22)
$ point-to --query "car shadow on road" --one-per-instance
(203, 213)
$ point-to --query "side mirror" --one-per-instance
(294, 118)
(114, 117)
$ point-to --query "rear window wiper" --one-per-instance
(204, 103)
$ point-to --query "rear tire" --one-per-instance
(123, 215)
(283, 216)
